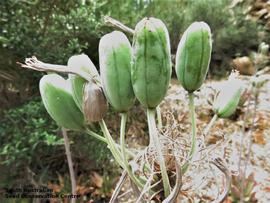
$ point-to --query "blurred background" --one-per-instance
(31, 146)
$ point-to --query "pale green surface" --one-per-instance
(193, 56)
(115, 64)
(57, 98)
(151, 69)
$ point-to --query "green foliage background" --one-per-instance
(56, 29)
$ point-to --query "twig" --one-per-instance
(70, 164)
(177, 188)
(115, 23)
(118, 187)
(34, 64)
(243, 176)
(263, 71)
(219, 163)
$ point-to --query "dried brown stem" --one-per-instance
(34, 64)
(243, 176)
(177, 188)
(118, 187)
(219, 163)
(115, 23)
(70, 164)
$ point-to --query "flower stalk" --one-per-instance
(193, 130)
(154, 139)
(123, 151)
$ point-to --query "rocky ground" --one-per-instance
(203, 184)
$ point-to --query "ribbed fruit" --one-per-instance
(83, 63)
(151, 68)
(228, 99)
(193, 56)
(115, 66)
(57, 98)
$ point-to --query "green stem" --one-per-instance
(103, 139)
(112, 145)
(159, 118)
(154, 139)
(97, 136)
(123, 151)
(210, 124)
(194, 131)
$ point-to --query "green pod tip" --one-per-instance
(228, 98)
(151, 64)
(57, 98)
(83, 63)
(193, 56)
(115, 66)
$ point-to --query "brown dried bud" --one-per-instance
(94, 102)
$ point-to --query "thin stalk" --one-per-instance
(97, 136)
(210, 124)
(194, 131)
(123, 151)
(154, 139)
(249, 146)
(159, 118)
(103, 139)
(112, 145)
(70, 164)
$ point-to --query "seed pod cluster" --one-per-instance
(57, 98)
(142, 70)
(151, 68)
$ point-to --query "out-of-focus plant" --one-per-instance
(35, 123)
(34, 140)
(35, 27)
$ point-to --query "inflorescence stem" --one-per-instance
(154, 139)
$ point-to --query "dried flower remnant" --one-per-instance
(94, 102)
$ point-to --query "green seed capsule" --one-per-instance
(77, 85)
(227, 100)
(193, 56)
(83, 63)
(57, 98)
(88, 95)
(115, 65)
(151, 68)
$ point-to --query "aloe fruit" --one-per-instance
(115, 64)
(83, 63)
(151, 68)
(193, 56)
(57, 98)
(228, 98)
